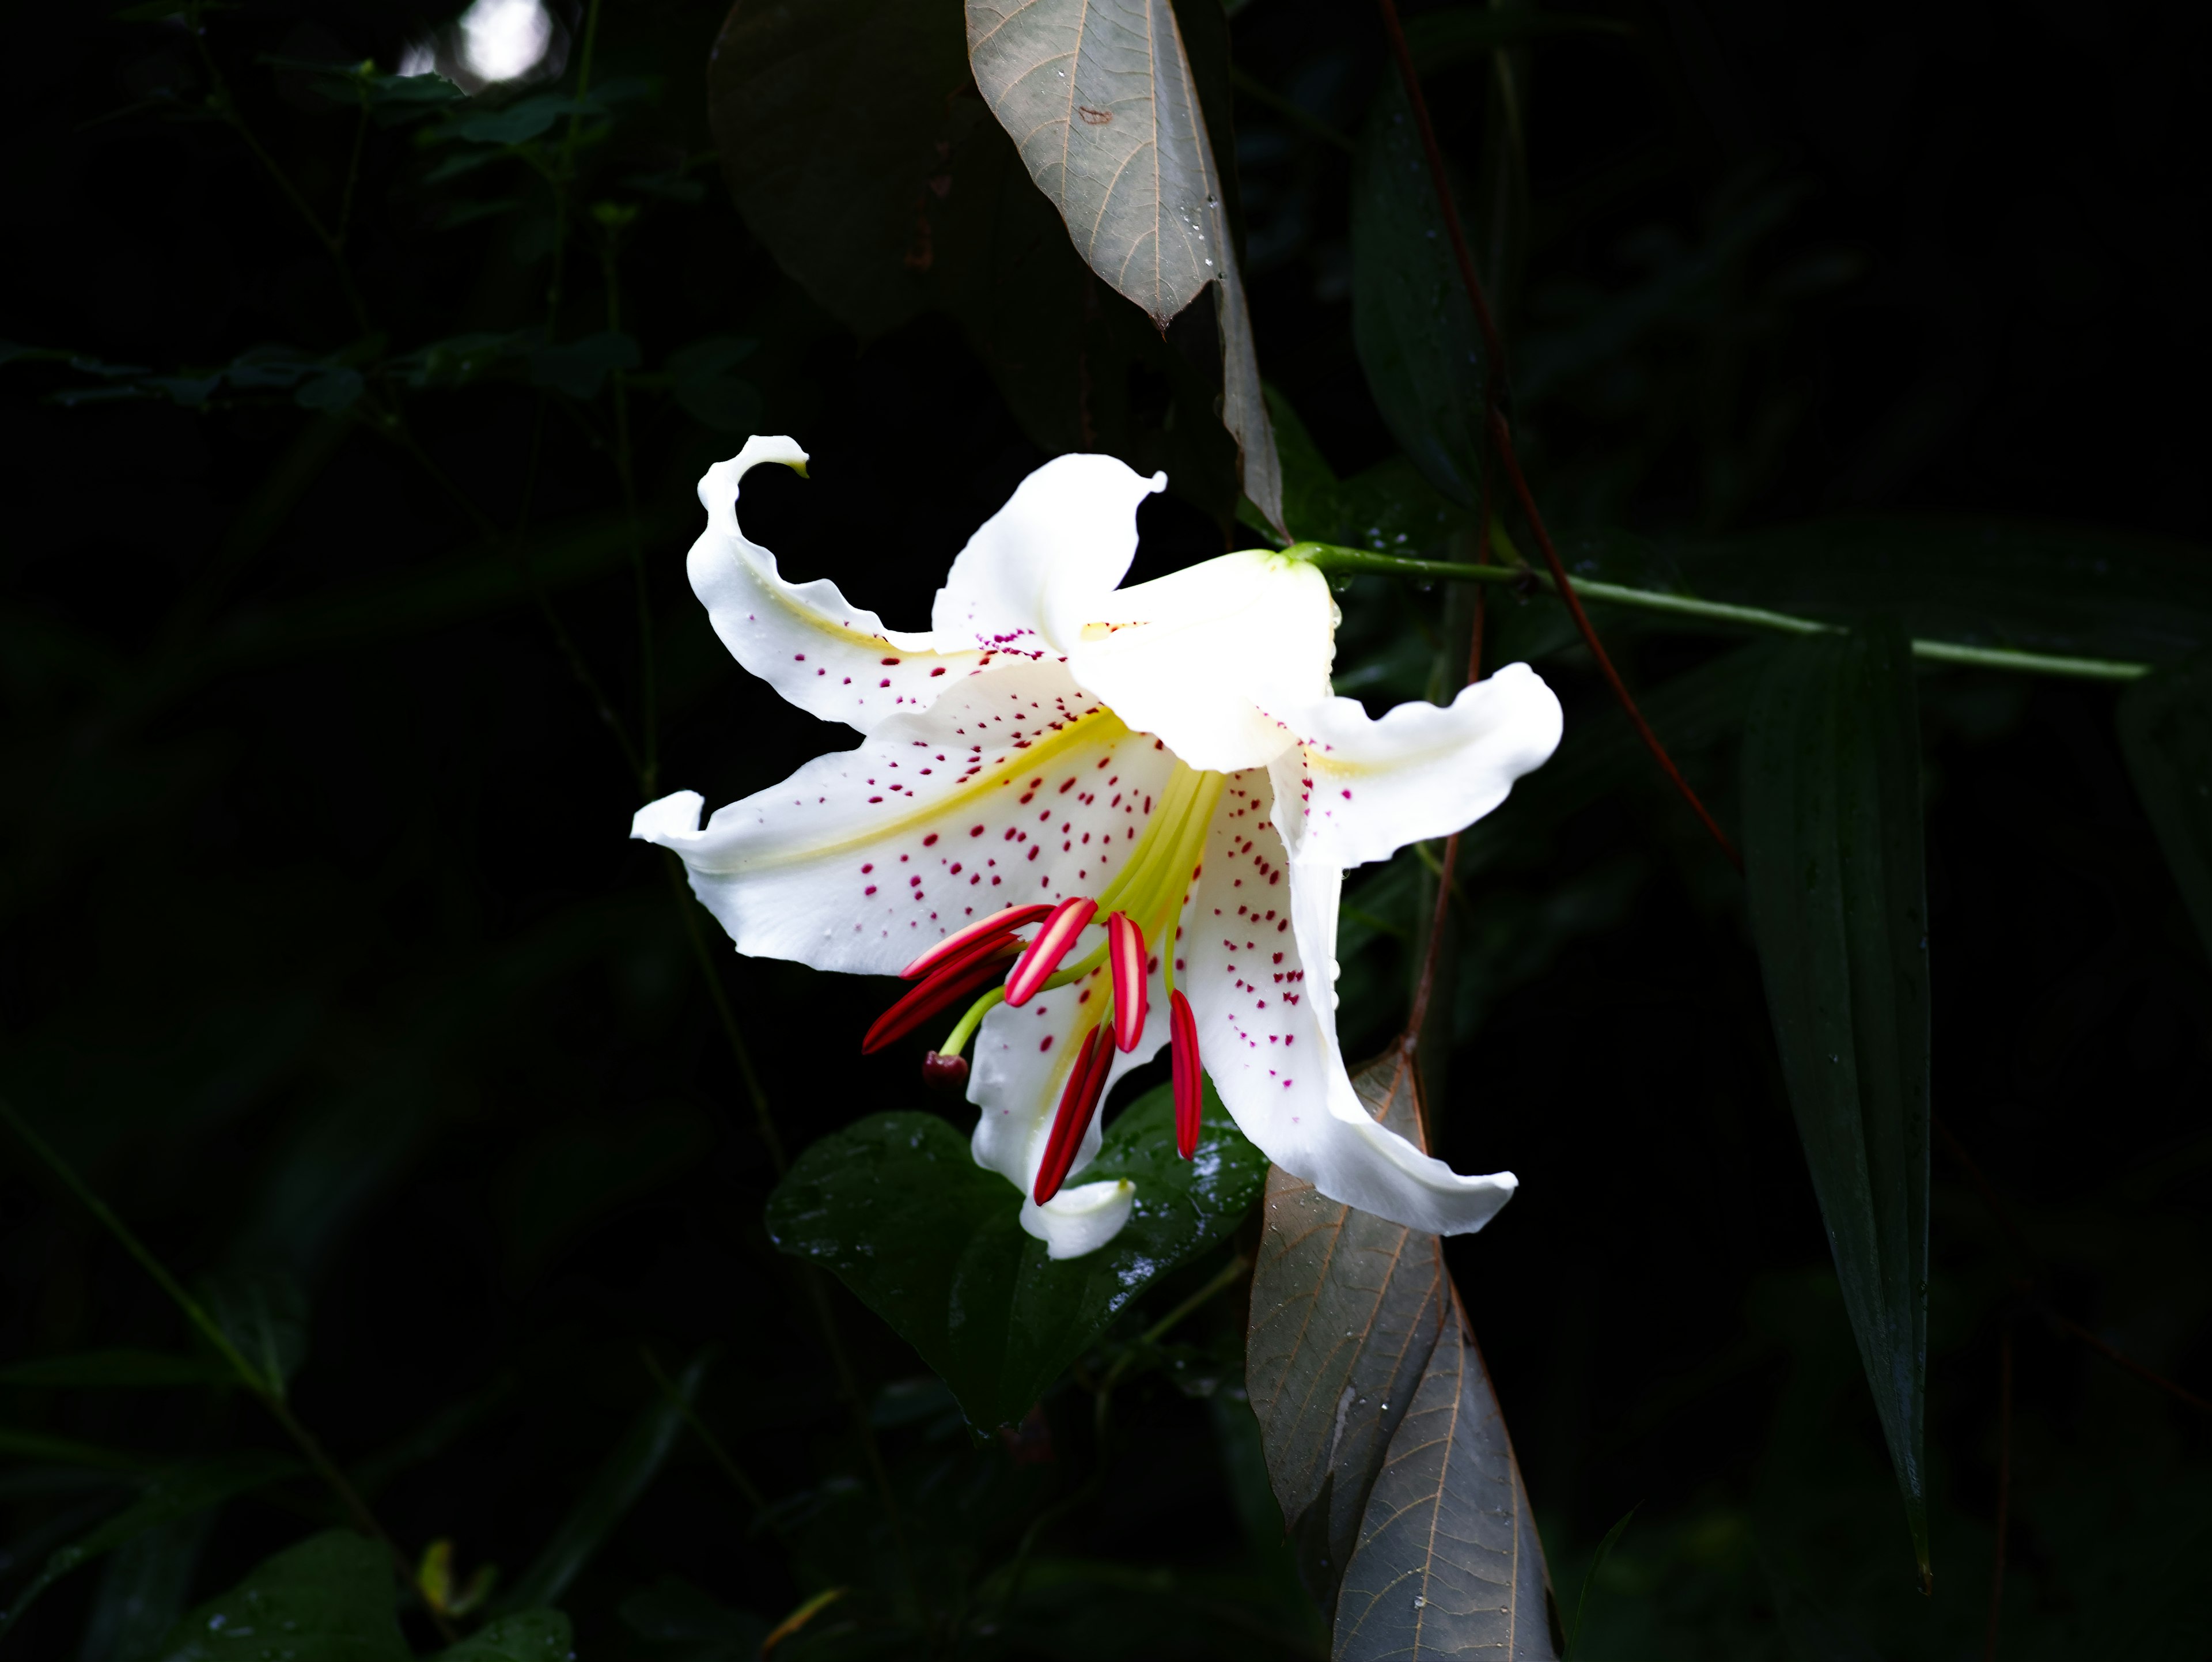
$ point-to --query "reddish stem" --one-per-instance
(1503, 440)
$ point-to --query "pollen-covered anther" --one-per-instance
(1189, 1099)
(1078, 1101)
(936, 994)
(1125, 952)
(963, 943)
(1053, 942)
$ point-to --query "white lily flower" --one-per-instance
(1158, 778)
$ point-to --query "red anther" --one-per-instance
(933, 998)
(1078, 1101)
(1067, 921)
(1190, 1096)
(956, 944)
(944, 1073)
(1125, 952)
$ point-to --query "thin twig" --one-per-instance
(721, 1456)
(268, 1391)
(770, 1139)
(1504, 441)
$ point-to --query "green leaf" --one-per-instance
(834, 122)
(2166, 733)
(525, 1636)
(172, 1495)
(327, 1599)
(1449, 1563)
(579, 367)
(1347, 1308)
(622, 1477)
(263, 1310)
(143, 1590)
(933, 1243)
(677, 1613)
(116, 1367)
(2037, 588)
(329, 389)
(66, 1452)
(523, 119)
(1411, 321)
(1840, 911)
(708, 391)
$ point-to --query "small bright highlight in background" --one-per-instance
(493, 43)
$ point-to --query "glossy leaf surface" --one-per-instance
(1838, 910)
(525, 1636)
(328, 1599)
(2166, 733)
(896, 1206)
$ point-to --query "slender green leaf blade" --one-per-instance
(2166, 733)
(896, 1206)
(172, 1495)
(1448, 1563)
(1839, 909)
(143, 1590)
(327, 1599)
(1345, 1310)
(1411, 321)
(622, 1477)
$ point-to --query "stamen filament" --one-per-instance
(964, 1029)
(1174, 797)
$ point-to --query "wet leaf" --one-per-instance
(263, 1310)
(896, 1206)
(143, 1591)
(1102, 103)
(580, 368)
(172, 1495)
(622, 1477)
(1840, 911)
(1415, 328)
(525, 1636)
(1448, 1563)
(1099, 98)
(2166, 733)
(328, 1599)
(1345, 1310)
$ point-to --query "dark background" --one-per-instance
(326, 951)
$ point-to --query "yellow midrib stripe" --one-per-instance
(1094, 726)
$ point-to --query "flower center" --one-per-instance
(1143, 903)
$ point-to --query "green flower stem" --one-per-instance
(1330, 557)
(268, 1390)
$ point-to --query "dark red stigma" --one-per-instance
(948, 1075)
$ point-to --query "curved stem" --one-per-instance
(1332, 557)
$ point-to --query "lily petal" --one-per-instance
(1037, 569)
(1080, 1220)
(1369, 788)
(1259, 935)
(1217, 659)
(831, 658)
(1012, 786)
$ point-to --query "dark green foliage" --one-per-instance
(933, 1244)
(1838, 905)
(353, 425)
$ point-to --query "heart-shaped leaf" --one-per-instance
(1838, 908)
(896, 1206)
